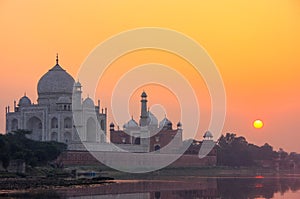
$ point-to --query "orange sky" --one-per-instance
(255, 45)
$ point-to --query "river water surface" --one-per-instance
(183, 188)
(192, 187)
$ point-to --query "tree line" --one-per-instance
(233, 150)
(16, 146)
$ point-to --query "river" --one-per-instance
(182, 188)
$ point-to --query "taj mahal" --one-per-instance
(51, 119)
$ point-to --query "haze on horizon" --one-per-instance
(255, 45)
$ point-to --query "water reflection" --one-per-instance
(253, 188)
(179, 188)
(191, 188)
(198, 188)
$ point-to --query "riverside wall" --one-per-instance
(85, 158)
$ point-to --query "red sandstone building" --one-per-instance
(148, 135)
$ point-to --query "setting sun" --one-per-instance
(258, 124)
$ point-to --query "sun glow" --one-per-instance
(258, 124)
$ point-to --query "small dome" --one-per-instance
(152, 120)
(56, 80)
(131, 124)
(77, 84)
(144, 94)
(88, 103)
(24, 101)
(112, 125)
(165, 122)
(63, 100)
(208, 134)
(179, 124)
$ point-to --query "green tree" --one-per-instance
(236, 151)
(16, 145)
(4, 152)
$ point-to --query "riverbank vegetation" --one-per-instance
(16, 146)
(235, 151)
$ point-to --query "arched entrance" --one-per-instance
(68, 122)
(54, 123)
(34, 124)
(137, 141)
(102, 124)
(14, 125)
(91, 130)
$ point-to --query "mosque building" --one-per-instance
(148, 135)
(52, 118)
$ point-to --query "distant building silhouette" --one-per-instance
(147, 135)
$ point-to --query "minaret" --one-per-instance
(144, 112)
(77, 110)
(77, 96)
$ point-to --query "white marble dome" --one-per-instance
(56, 81)
(152, 120)
(24, 101)
(131, 124)
(165, 122)
(88, 103)
(179, 124)
(207, 135)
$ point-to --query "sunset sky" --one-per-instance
(255, 45)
